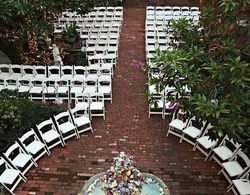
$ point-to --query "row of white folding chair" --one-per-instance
(109, 8)
(56, 72)
(50, 90)
(63, 126)
(173, 8)
(24, 153)
(59, 28)
(166, 18)
(235, 164)
(93, 102)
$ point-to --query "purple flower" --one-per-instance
(173, 106)
(137, 64)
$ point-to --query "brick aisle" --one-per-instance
(126, 128)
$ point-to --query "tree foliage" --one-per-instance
(213, 60)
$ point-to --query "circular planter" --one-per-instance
(151, 185)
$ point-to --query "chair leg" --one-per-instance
(220, 171)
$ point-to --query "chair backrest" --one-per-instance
(24, 81)
(16, 70)
(13, 151)
(45, 126)
(11, 82)
(67, 71)
(36, 82)
(62, 117)
(28, 137)
(230, 144)
(4, 165)
(5, 69)
(83, 97)
(40, 71)
(28, 71)
(54, 71)
(61, 82)
(80, 70)
(243, 161)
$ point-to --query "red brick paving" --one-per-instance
(126, 128)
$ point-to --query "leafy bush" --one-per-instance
(18, 114)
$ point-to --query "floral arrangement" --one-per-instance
(122, 178)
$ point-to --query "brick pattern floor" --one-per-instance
(126, 128)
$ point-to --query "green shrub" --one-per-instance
(18, 114)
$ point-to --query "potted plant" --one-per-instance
(70, 34)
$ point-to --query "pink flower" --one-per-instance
(137, 64)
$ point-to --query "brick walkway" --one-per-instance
(126, 128)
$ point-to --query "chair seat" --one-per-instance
(96, 106)
(35, 147)
(36, 90)
(233, 168)
(223, 152)
(243, 186)
(11, 87)
(104, 89)
(90, 89)
(49, 90)
(9, 176)
(50, 136)
(66, 127)
(21, 160)
(83, 105)
(206, 142)
(62, 89)
(23, 89)
(76, 90)
(192, 131)
(177, 124)
(82, 120)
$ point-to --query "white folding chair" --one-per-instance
(65, 125)
(105, 87)
(81, 119)
(37, 89)
(49, 134)
(76, 87)
(82, 101)
(193, 130)
(54, 72)
(96, 105)
(80, 72)
(23, 84)
(62, 88)
(11, 83)
(19, 158)
(9, 176)
(225, 150)
(50, 88)
(90, 84)
(241, 186)
(236, 166)
(179, 122)
(15, 70)
(27, 71)
(67, 72)
(32, 145)
(40, 72)
(205, 144)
